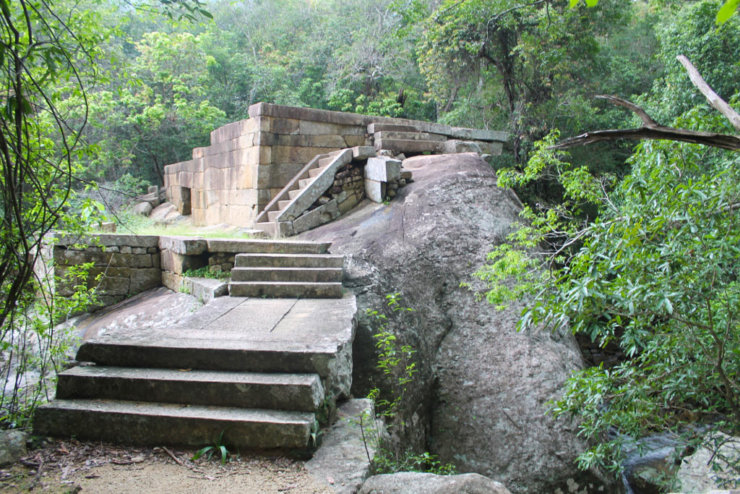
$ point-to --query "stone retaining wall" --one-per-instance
(250, 161)
(129, 264)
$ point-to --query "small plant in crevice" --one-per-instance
(217, 448)
(207, 272)
(395, 360)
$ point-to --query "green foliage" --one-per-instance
(217, 448)
(715, 52)
(37, 345)
(387, 461)
(207, 272)
(395, 362)
(524, 68)
(656, 272)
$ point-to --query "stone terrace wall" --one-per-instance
(249, 161)
(130, 264)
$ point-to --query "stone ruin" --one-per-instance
(285, 169)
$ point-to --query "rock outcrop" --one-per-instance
(427, 483)
(479, 396)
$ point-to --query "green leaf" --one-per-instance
(727, 10)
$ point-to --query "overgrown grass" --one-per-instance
(128, 222)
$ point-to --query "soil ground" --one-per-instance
(71, 466)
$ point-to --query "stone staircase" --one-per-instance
(283, 214)
(259, 371)
(295, 270)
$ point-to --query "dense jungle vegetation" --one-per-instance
(633, 244)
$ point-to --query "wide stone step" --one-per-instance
(288, 260)
(273, 215)
(410, 136)
(408, 145)
(287, 274)
(140, 423)
(253, 246)
(285, 289)
(294, 392)
(209, 354)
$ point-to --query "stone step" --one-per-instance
(381, 127)
(215, 351)
(288, 260)
(408, 145)
(303, 183)
(294, 392)
(314, 172)
(285, 289)
(411, 136)
(293, 193)
(266, 246)
(284, 203)
(273, 215)
(287, 274)
(140, 423)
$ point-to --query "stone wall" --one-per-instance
(129, 264)
(250, 161)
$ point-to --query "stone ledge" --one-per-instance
(105, 239)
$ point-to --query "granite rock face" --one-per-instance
(480, 392)
(712, 469)
(427, 483)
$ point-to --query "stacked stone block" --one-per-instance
(127, 264)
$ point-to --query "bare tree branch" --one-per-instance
(646, 119)
(651, 130)
(667, 133)
(717, 103)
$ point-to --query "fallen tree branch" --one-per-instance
(706, 138)
(651, 130)
(717, 103)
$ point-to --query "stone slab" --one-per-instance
(104, 239)
(408, 145)
(190, 246)
(363, 152)
(287, 274)
(375, 191)
(244, 335)
(282, 289)
(288, 260)
(140, 423)
(316, 217)
(383, 169)
(205, 289)
(454, 146)
(297, 392)
(236, 246)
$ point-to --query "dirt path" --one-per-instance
(72, 466)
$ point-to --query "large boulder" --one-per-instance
(427, 483)
(712, 467)
(479, 397)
